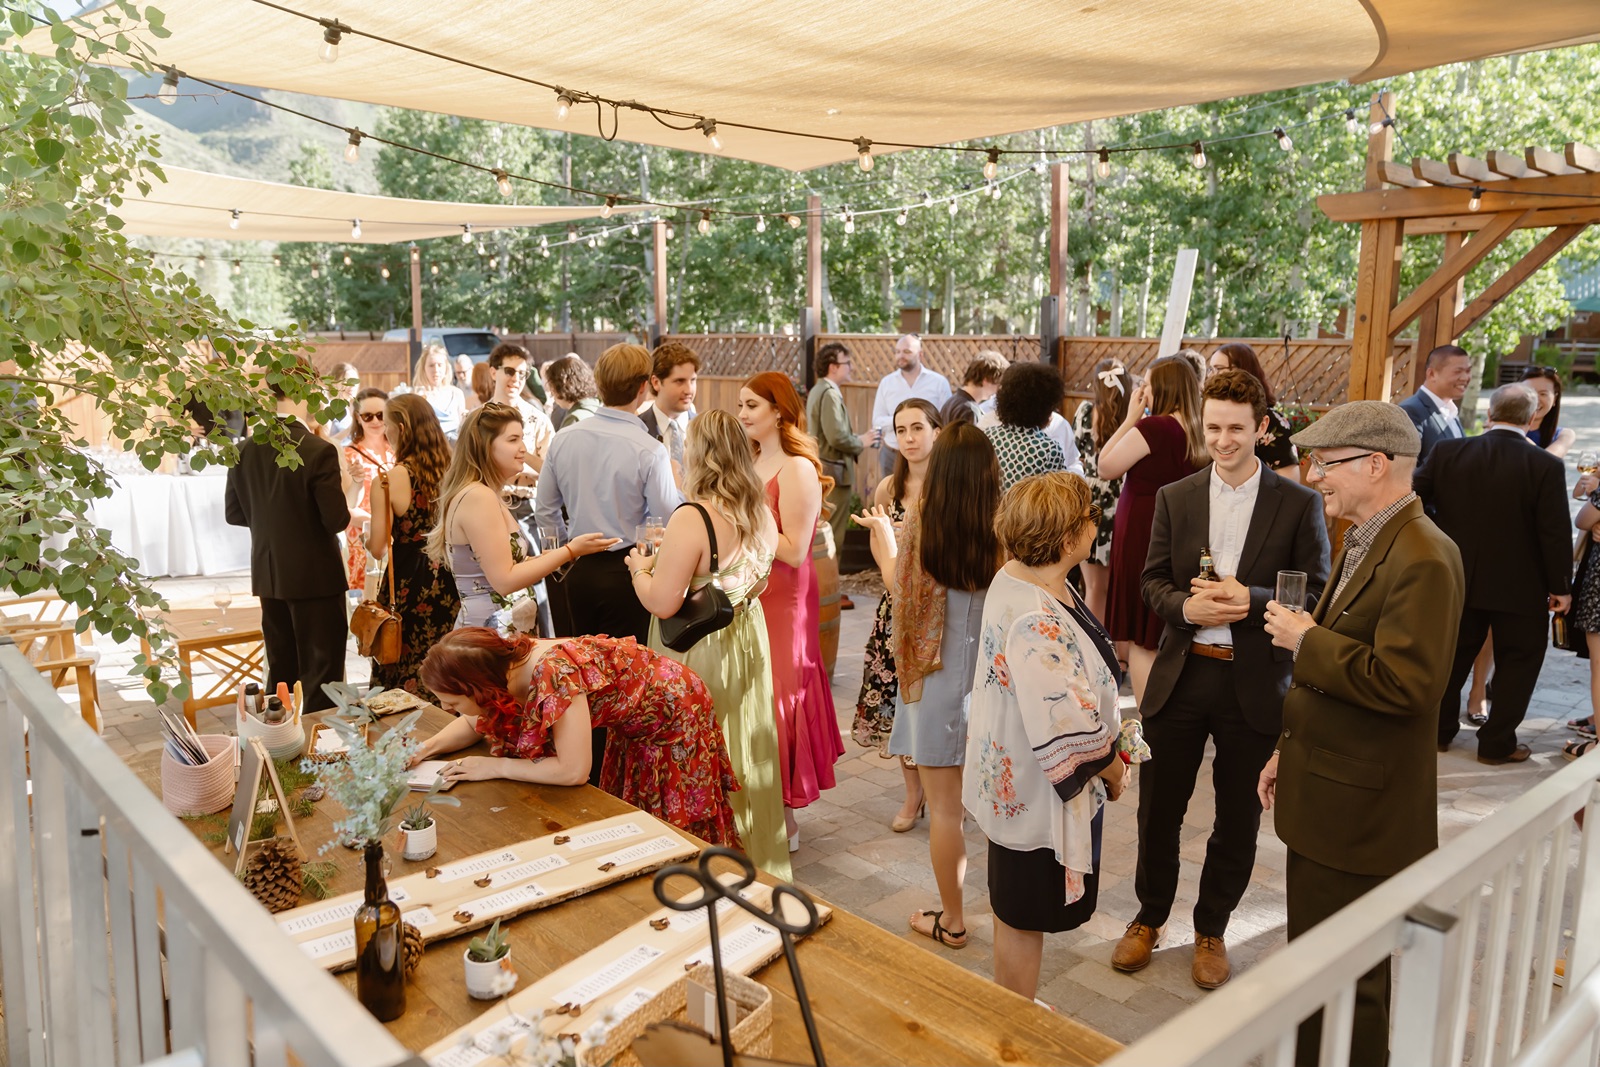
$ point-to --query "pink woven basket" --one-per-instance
(200, 790)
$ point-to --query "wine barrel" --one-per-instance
(826, 563)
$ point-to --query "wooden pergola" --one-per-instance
(1476, 204)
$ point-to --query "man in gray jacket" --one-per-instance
(828, 420)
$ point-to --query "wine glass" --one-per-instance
(222, 597)
(549, 542)
(657, 531)
(1588, 462)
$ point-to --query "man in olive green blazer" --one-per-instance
(1354, 778)
(828, 420)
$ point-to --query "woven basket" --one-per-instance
(752, 1034)
(284, 740)
(202, 790)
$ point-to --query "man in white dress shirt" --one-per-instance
(1216, 675)
(1433, 407)
(910, 378)
(674, 370)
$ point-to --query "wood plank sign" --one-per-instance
(620, 976)
(473, 892)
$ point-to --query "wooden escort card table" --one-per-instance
(234, 657)
(877, 998)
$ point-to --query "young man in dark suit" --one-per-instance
(1355, 778)
(295, 516)
(1432, 408)
(1518, 564)
(1216, 675)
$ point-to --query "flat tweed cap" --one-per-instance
(1371, 424)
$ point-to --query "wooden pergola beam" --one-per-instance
(1434, 325)
(1452, 269)
(1507, 164)
(1378, 270)
(1435, 173)
(1471, 169)
(1581, 156)
(1547, 162)
(1569, 191)
(1475, 221)
(1515, 275)
(1395, 174)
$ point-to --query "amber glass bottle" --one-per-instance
(1208, 571)
(380, 955)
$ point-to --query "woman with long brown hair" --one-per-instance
(368, 452)
(939, 568)
(1092, 426)
(789, 468)
(403, 501)
(1151, 451)
(719, 475)
(916, 427)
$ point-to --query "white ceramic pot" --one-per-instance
(419, 844)
(489, 981)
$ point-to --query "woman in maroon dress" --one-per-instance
(535, 701)
(1147, 453)
(786, 462)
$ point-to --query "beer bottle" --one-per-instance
(1208, 571)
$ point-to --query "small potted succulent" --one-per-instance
(419, 833)
(488, 963)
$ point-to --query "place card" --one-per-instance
(329, 743)
(419, 917)
(522, 894)
(578, 842)
(632, 1003)
(327, 946)
(740, 945)
(453, 872)
(611, 976)
(461, 1056)
(301, 924)
(526, 870)
(634, 853)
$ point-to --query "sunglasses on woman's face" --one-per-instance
(372, 416)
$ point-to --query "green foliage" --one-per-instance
(319, 878)
(369, 782)
(83, 313)
(490, 947)
(1551, 356)
(417, 817)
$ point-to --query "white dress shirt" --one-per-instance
(893, 390)
(667, 425)
(1230, 521)
(1446, 406)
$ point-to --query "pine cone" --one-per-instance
(412, 939)
(274, 874)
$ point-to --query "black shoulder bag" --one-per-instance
(705, 610)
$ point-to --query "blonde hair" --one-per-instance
(1039, 513)
(472, 463)
(620, 371)
(720, 467)
(428, 350)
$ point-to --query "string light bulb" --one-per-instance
(900, 219)
(466, 233)
(200, 261)
(316, 272)
(332, 31)
(385, 272)
(794, 221)
(672, 231)
(277, 261)
(168, 93)
(544, 243)
(347, 259)
(633, 228)
(994, 190)
(238, 268)
(849, 223)
(709, 128)
(1477, 199)
(355, 229)
(704, 225)
(955, 205)
(1283, 138)
(1377, 127)
(1103, 167)
(352, 150)
(1199, 156)
(564, 104)
(233, 220)
(927, 199)
(611, 205)
(864, 153)
(502, 181)
(433, 269)
(992, 166)
(591, 241)
(1351, 125)
(761, 224)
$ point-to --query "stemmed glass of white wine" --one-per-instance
(222, 597)
(1588, 462)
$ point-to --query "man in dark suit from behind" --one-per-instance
(1216, 675)
(1518, 561)
(1432, 408)
(1355, 778)
(295, 516)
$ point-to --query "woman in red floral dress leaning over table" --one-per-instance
(535, 700)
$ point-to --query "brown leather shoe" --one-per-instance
(1133, 951)
(1519, 754)
(1211, 967)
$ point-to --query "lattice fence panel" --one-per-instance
(740, 355)
(873, 354)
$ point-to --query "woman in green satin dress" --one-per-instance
(735, 662)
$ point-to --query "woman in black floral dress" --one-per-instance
(403, 502)
(916, 424)
(1274, 448)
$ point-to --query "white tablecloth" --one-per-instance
(173, 524)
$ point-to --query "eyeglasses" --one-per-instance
(372, 416)
(1323, 466)
(514, 371)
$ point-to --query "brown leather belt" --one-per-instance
(1211, 651)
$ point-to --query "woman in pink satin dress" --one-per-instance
(786, 461)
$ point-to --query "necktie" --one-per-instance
(675, 441)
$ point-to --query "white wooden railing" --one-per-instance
(1479, 927)
(122, 939)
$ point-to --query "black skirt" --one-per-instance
(1026, 889)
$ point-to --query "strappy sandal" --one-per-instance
(947, 938)
(1577, 749)
(1584, 725)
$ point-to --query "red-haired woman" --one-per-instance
(787, 463)
(535, 702)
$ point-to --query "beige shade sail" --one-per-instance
(930, 73)
(192, 203)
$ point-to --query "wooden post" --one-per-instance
(811, 324)
(1060, 272)
(1436, 323)
(1378, 272)
(658, 280)
(416, 306)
